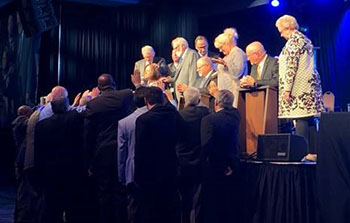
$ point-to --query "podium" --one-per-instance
(258, 108)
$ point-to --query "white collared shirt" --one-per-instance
(260, 66)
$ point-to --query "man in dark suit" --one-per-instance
(148, 55)
(156, 161)
(201, 45)
(102, 116)
(264, 69)
(60, 161)
(188, 150)
(219, 156)
(174, 65)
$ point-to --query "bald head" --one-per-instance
(58, 92)
(105, 81)
(204, 66)
(255, 52)
(24, 110)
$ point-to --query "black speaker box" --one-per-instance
(281, 147)
(36, 16)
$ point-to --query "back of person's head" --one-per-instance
(191, 96)
(224, 99)
(24, 110)
(58, 92)
(105, 81)
(139, 96)
(60, 106)
(154, 95)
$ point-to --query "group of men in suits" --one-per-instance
(165, 150)
(187, 64)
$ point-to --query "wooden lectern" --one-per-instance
(258, 108)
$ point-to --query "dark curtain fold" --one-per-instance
(276, 193)
(333, 168)
(333, 37)
(98, 39)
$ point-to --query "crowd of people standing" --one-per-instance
(158, 153)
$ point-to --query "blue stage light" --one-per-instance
(275, 3)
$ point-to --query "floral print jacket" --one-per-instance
(297, 74)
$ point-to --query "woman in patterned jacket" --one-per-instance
(300, 92)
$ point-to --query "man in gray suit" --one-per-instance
(148, 55)
(186, 73)
(264, 69)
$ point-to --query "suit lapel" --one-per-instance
(267, 62)
(212, 73)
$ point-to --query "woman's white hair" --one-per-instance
(191, 96)
(287, 22)
(229, 34)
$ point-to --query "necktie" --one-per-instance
(258, 72)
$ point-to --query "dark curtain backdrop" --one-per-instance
(97, 39)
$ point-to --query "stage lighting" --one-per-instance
(275, 3)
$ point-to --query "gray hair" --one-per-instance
(179, 40)
(192, 96)
(146, 48)
(224, 98)
(200, 38)
(287, 21)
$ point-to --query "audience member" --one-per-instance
(219, 157)
(126, 151)
(156, 161)
(188, 149)
(102, 116)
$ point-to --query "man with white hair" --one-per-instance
(186, 73)
(219, 157)
(148, 55)
(188, 150)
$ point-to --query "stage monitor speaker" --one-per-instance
(281, 147)
(36, 16)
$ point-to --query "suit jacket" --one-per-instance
(204, 89)
(189, 146)
(126, 145)
(219, 138)
(186, 73)
(141, 64)
(102, 116)
(59, 147)
(157, 132)
(172, 70)
(269, 73)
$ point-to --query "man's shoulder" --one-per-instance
(140, 61)
(157, 59)
(192, 52)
